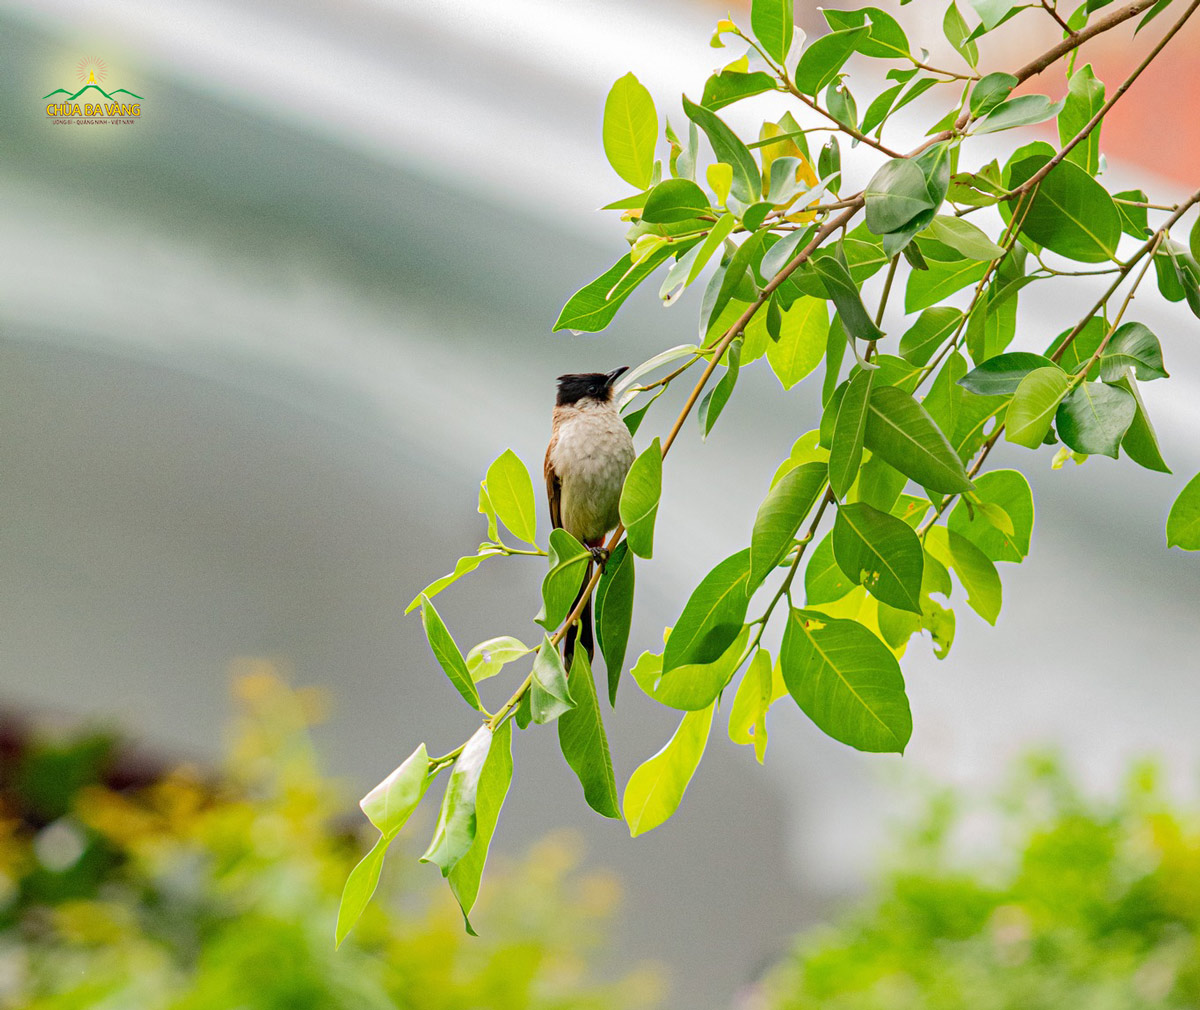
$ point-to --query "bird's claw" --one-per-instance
(600, 555)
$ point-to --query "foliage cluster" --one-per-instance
(1096, 904)
(894, 465)
(187, 894)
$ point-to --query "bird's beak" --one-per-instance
(616, 373)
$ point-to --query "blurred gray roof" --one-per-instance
(231, 338)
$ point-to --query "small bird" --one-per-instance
(589, 454)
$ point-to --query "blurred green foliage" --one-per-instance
(1096, 906)
(186, 893)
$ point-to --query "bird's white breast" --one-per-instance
(591, 455)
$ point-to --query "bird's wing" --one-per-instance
(553, 488)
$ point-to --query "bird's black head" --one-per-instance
(587, 385)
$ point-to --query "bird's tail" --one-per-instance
(581, 630)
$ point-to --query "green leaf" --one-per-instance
(902, 432)
(1132, 345)
(896, 194)
(713, 615)
(803, 333)
(1140, 442)
(630, 131)
(692, 686)
(614, 613)
(820, 62)
(1071, 214)
(510, 489)
(840, 104)
(639, 500)
(846, 297)
(1081, 349)
(1033, 405)
(1183, 522)
(961, 235)
(954, 27)
(447, 654)
(942, 279)
(748, 714)
(824, 580)
(1002, 374)
(714, 403)
(488, 658)
(674, 200)
(584, 743)
(549, 695)
(1009, 490)
(880, 108)
(886, 41)
(360, 885)
(880, 553)
(466, 874)
(846, 681)
(1134, 220)
(1085, 97)
(729, 86)
(992, 12)
(1094, 417)
(462, 567)
(593, 306)
(1024, 110)
(928, 333)
(389, 805)
(990, 92)
(1193, 239)
(974, 569)
(656, 787)
(879, 484)
(771, 22)
(779, 518)
(729, 149)
(457, 820)
(846, 446)
(568, 563)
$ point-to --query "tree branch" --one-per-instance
(1095, 121)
